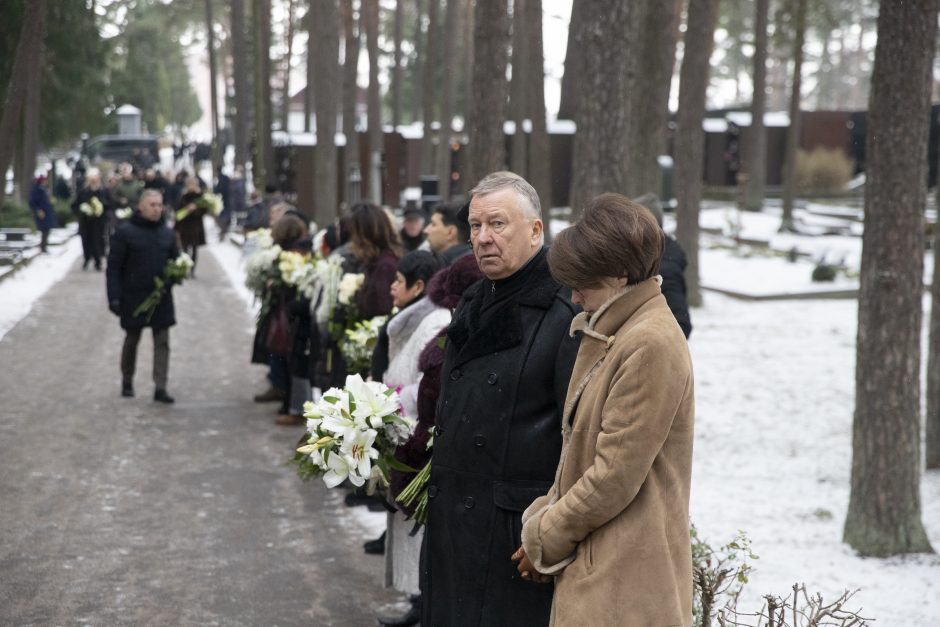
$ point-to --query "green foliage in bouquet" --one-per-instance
(173, 274)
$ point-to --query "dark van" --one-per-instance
(121, 148)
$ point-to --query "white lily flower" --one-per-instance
(338, 468)
(358, 448)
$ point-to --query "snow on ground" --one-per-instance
(20, 291)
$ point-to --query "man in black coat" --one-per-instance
(507, 363)
(140, 251)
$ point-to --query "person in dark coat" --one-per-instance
(140, 251)
(223, 188)
(497, 436)
(189, 215)
(447, 234)
(43, 212)
(375, 243)
(412, 228)
(91, 226)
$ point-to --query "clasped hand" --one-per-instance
(526, 568)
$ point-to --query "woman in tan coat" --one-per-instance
(613, 531)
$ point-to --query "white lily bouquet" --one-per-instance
(260, 269)
(352, 434)
(359, 344)
(173, 274)
(211, 203)
(92, 208)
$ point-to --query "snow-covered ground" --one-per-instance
(774, 394)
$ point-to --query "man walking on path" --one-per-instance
(497, 435)
(140, 251)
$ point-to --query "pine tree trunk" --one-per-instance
(518, 157)
(240, 78)
(352, 37)
(690, 138)
(448, 87)
(539, 167)
(793, 132)
(933, 359)
(429, 89)
(599, 151)
(755, 158)
(396, 77)
(213, 88)
(288, 63)
(570, 92)
(488, 90)
(326, 80)
(311, 63)
(31, 108)
(25, 61)
(264, 154)
(654, 57)
(884, 514)
(418, 72)
(371, 13)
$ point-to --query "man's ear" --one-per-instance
(452, 233)
(537, 228)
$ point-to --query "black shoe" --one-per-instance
(98, 266)
(85, 265)
(160, 396)
(375, 547)
(411, 617)
(127, 390)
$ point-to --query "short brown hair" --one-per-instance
(286, 231)
(615, 237)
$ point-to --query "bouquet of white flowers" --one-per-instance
(123, 213)
(257, 240)
(260, 269)
(359, 344)
(92, 208)
(348, 286)
(173, 274)
(298, 271)
(211, 203)
(353, 434)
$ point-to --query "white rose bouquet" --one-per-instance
(348, 286)
(123, 213)
(260, 269)
(358, 345)
(210, 203)
(352, 434)
(92, 208)
(298, 271)
(173, 274)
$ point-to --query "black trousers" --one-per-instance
(91, 231)
(161, 356)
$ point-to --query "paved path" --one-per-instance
(123, 512)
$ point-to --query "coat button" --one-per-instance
(432, 491)
(479, 440)
(468, 502)
(492, 379)
(454, 375)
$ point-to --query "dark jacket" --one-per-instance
(190, 229)
(672, 268)
(455, 252)
(140, 251)
(39, 203)
(85, 195)
(497, 441)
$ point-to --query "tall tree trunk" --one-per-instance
(396, 76)
(933, 358)
(31, 108)
(213, 88)
(429, 89)
(25, 60)
(326, 80)
(371, 14)
(599, 152)
(488, 90)
(265, 172)
(654, 58)
(518, 157)
(352, 44)
(570, 94)
(539, 168)
(448, 87)
(755, 158)
(285, 99)
(241, 82)
(793, 132)
(311, 63)
(417, 74)
(884, 514)
(690, 138)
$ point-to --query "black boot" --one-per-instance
(127, 389)
(411, 617)
(375, 547)
(160, 396)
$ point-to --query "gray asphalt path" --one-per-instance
(124, 512)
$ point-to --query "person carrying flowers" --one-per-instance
(141, 260)
(189, 211)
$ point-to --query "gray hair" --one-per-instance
(150, 192)
(500, 180)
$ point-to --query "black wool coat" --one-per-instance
(672, 269)
(497, 442)
(140, 250)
